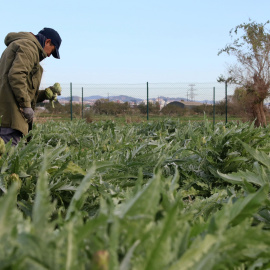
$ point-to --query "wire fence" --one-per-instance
(189, 91)
(186, 95)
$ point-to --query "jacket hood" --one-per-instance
(25, 35)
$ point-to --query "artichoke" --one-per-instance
(56, 88)
(14, 179)
(2, 146)
(49, 93)
(101, 260)
(52, 92)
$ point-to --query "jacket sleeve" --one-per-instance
(41, 96)
(22, 66)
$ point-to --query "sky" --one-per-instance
(134, 42)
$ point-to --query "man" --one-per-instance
(20, 77)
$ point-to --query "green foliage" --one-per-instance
(2, 147)
(251, 71)
(152, 108)
(104, 106)
(155, 195)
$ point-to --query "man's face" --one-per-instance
(49, 47)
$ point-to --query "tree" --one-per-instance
(240, 100)
(152, 108)
(251, 72)
(104, 106)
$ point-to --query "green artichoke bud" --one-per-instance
(49, 93)
(56, 88)
(101, 260)
(14, 179)
(2, 146)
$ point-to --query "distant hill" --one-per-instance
(93, 97)
(111, 98)
(172, 99)
(124, 98)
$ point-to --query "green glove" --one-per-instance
(49, 93)
(52, 92)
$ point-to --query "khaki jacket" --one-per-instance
(20, 77)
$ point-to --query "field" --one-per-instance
(164, 194)
(44, 117)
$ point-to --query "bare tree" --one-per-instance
(251, 71)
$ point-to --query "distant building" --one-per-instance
(185, 104)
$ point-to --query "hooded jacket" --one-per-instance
(20, 77)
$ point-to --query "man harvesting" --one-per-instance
(20, 77)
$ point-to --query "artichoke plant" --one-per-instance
(2, 146)
(52, 92)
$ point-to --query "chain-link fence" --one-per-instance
(145, 100)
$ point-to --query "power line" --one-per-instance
(191, 92)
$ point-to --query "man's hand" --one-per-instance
(50, 95)
(52, 92)
(28, 114)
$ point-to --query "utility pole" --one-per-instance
(191, 90)
(71, 101)
(226, 100)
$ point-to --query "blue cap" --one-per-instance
(50, 33)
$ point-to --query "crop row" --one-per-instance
(154, 195)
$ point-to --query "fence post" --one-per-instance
(82, 102)
(226, 98)
(214, 106)
(71, 101)
(147, 101)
